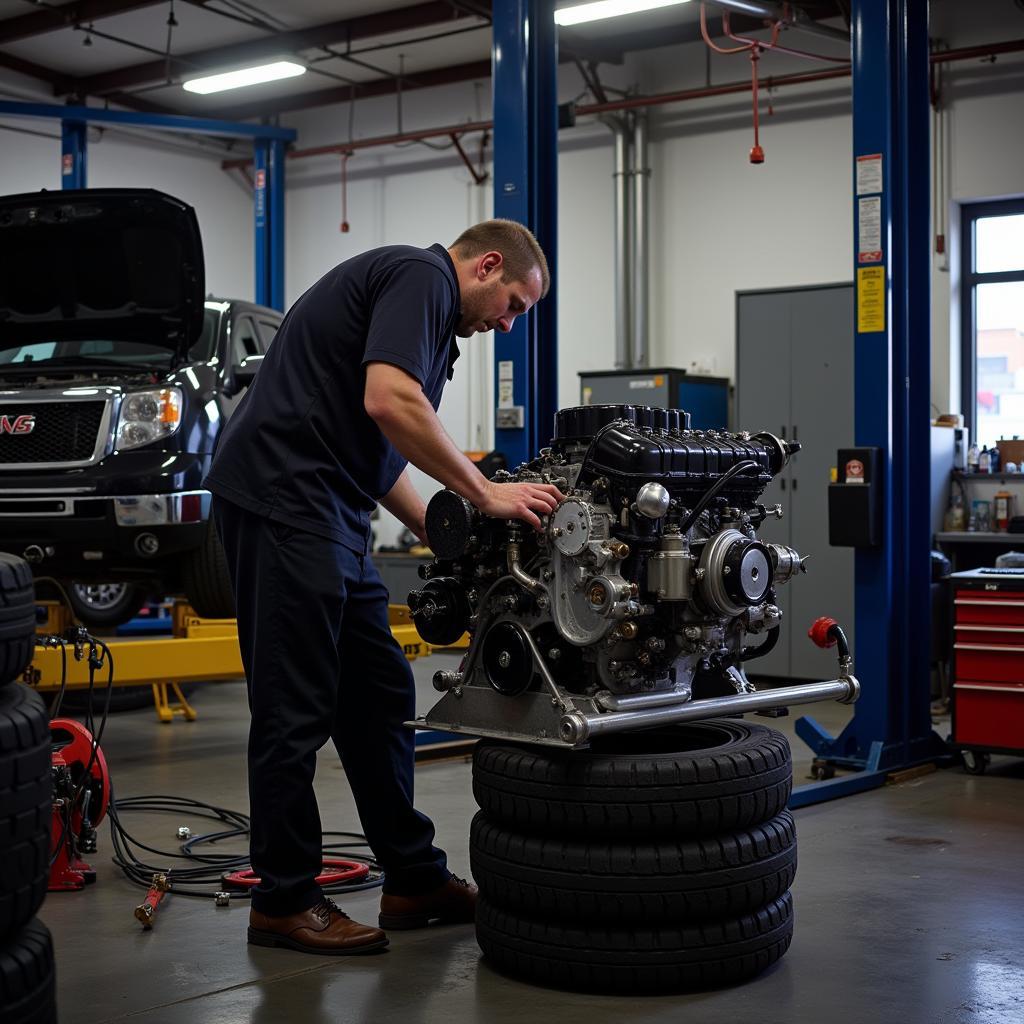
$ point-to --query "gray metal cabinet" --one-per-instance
(794, 376)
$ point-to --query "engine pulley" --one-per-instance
(571, 526)
(440, 611)
(449, 524)
(737, 572)
(507, 660)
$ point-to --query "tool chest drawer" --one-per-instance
(986, 608)
(989, 714)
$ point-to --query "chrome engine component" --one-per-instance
(632, 606)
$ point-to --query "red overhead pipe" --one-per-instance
(635, 102)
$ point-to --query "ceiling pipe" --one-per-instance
(639, 102)
(791, 17)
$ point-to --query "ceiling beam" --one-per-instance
(477, 69)
(50, 19)
(283, 43)
(33, 70)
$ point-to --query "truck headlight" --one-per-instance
(147, 416)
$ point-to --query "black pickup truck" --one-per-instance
(116, 377)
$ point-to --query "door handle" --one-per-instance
(794, 485)
(782, 483)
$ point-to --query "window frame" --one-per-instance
(970, 214)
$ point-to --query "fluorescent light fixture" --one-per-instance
(245, 76)
(608, 9)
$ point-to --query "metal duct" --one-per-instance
(623, 263)
(640, 248)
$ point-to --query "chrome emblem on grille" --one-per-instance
(23, 424)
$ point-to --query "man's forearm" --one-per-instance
(405, 504)
(413, 427)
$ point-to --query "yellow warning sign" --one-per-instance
(870, 299)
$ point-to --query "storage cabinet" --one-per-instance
(988, 660)
(794, 377)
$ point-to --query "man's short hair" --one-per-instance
(520, 251)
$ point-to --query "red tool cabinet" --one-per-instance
(988, 663)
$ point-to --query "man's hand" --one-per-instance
(519, 501)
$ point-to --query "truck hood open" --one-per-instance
(101, 263)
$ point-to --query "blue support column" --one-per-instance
(891, 726)
(261, 232)
(73, 149)
(275, 210)
(525, 64)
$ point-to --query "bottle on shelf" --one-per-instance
(956, 514)
(973, 455)
(994, 459)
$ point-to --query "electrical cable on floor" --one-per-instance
(207, 868)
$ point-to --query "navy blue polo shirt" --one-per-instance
(300, 448)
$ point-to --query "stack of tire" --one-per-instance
(654, 861)
(26, 950)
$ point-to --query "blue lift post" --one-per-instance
(525, 65)
(269, 141)
(891, 726)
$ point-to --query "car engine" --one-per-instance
(639, 601)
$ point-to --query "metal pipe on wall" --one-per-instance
(623, 280)
(640, 247)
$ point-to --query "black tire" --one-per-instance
(17, 617)
(206, 579)
(690, 780)
(622, 882)
(102, 614)
(28, 978)
(25, 806)
(640, 961)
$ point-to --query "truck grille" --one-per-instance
(63, 432)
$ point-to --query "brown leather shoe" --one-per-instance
(321, 929)
(451, 903)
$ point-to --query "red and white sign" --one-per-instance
(869, 174)
(23, 424)
(67, 164)
(854, 472)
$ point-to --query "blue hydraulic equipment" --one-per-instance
(269, 143)
(891, 726)
(525, 62)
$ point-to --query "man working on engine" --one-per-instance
(346, 397)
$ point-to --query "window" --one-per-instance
(992, 325)
(268, 328)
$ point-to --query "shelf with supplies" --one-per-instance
(999, 477)
(978, 537)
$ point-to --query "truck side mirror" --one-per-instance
(245, 372)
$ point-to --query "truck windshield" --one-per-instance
(104, 352)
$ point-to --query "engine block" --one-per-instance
(647, 588)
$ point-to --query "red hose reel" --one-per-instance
(81, 795)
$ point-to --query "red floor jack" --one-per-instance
(81, 793)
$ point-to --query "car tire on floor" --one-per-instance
(27, 977)
(25, 806)
(621, 881)
(641, 960)
(17, 617)
(696, 779)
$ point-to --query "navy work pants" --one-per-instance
(321, 664)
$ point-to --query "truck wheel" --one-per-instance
(643, 959)
(696, 779)
(105, 604)
(17, 617)
(27, 989)
(625, 882)
(206, 580)
(26, 797)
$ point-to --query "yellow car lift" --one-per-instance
(198, 650)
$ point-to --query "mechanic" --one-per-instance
(346, 397)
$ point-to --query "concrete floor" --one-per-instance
(909, 901)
